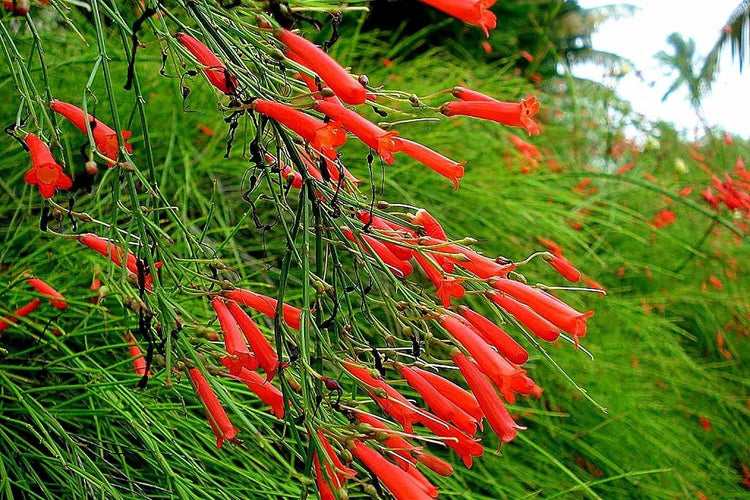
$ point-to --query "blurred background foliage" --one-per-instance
(670, 341)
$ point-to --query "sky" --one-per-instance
(641, 36)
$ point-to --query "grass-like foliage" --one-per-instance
(114, 392)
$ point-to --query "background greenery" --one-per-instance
(72, 423)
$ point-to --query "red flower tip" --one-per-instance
(235, 344)
(459, 396)
(139, 362)
(56, 298)
(564, 267)
(373, 136)
(382, 225)
(105, 137)
(495, 336)
(401, 485)
(265, 305)
(444, 166)
(312, 57)
(45, 172)
(267, 393)
(262, 349)
(215, 70)
(538, 325)
(325, 137)
(217, 417)
(435, 464)
(474, 12)
(400, 268)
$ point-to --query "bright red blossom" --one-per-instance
(401, 485)
(45, 172)
(267, 393)
(513, 114)
(564, 268)
(444, 166)
(474, 12)
(540, 326)
(265, 305)
(495, 335)
(325, 137)
(312, 57)
(105, 137)
(56, 298)
(262, 349)
(19, 313)
(459, 396)
(215, 70)
(233, 340)
(217, 417)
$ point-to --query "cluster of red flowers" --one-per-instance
(733, 192)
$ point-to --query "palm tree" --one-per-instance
(736, 33)
(684, 62)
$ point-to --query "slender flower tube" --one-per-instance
(513, 114)
(217, 417)
(458, 395)
(267, 393)
(139, 362)
(286, 171)
(497, 368)
(530, 151)
(114, 253)
(471, 95)
(433, 229)
(466, 446)
(495, 335)
(401, 485)
(444, 166)
(325, 137)
(262, 349)
(341, 469)
(373, 136)
(324, 489)
(105, 137)
(19, 313)
(475, 263)
(447, 286)
(215, 70)
(45, 172)
(233, 340)
(400, 268)
(312, 57)
(56, 298)
(494, 409)
(401, 448)
(402, 253)
(541, 327)
(439, 404)
(549, 307)
(394, 403)
(265, 305)
(435, 464)
(474, 12)
(565, 268)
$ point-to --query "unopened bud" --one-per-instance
(91, 168)
(363, 80)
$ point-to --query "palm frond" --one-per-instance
(736, 33)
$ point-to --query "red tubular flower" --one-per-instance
(217, 417)
(139, 362)
(475, 263)
(401, 448)
(528, 150)
(394, 403)
(400, 252)
(549, 307)
(56, 298)
(564, 267)
(513, 114)
(114, 253)
(233, 340)
(286, 171)
(459, 396)
(325, 137)
(265, 305)
(430, 224)
(437, 162)
(550, 245)
(435, 464)
(324, 489)
(267, 393)
(400, 268)
(336, 78)
(474, 12)
(530, 319)
(215, 70)
(495, 335)
(494, 409)
(105, 137)
(447, 286)
(373, 136)
(710, 198)
(262, 349)
(19, 313)
(439, 404)
(497, 368)
(341, 469)
(466, 446)
(401, 485)
(45, 172)
(526, 385)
